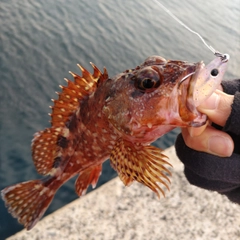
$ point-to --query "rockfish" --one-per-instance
(96, 118)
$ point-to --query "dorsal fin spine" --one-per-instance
(97, 73)
(74, 92)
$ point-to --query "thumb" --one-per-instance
(217, 107)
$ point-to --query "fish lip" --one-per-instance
(185, 91)
(191, 86)
(200, 119)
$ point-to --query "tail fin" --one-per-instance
(27, 201)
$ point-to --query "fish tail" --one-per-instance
(28, 201)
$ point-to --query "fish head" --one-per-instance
(146, 102)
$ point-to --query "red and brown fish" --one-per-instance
(97, 118)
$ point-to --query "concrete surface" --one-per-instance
(117, 212)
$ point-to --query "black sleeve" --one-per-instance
(231, 86)
(232, 126)
(233, 122)
(211, 172)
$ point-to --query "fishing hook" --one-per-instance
(185, 78)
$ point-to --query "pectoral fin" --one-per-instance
(144, 164)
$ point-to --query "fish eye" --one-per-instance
(147, 80)
(148, 83)
(214, 72)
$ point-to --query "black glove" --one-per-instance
(221, 174)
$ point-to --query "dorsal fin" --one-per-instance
(47, 145)
(74, 92)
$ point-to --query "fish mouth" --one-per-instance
(186, 88)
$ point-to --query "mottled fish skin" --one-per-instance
(96, 118)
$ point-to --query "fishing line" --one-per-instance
(188, 28)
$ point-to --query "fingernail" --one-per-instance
(220, 146)
(211, 103)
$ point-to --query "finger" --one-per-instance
(217, 107)
(196, 131)
(210, 141)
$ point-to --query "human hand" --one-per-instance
(207, 138)
(219, 170)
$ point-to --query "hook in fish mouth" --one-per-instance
(185, 78)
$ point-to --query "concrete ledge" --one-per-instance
(117, 212)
